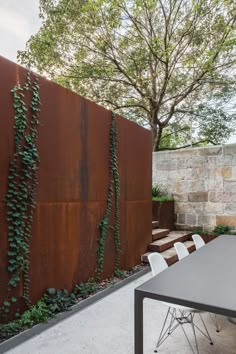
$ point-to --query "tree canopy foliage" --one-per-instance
(168, 64)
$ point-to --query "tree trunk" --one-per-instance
(156, 137)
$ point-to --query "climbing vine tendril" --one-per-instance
(113, 194)
(22, 183)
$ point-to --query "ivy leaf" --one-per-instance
(11, 253)
(51, 291)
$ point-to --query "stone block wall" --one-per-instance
(202, 182)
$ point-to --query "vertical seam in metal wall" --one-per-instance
(84, 152)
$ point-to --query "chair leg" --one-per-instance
(184, 318)
(171, 321)
(215, 321)
(169, 328)
(162, 330)
(206, 334)
(194, 332)
(182, 327)
(193, 325)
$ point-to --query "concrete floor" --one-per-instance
(108, 327)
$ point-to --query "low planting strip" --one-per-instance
(38, 329)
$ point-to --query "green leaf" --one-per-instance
(51, 291)
(11, 253)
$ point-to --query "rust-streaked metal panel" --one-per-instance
(3, 253)
(138, 219)
(68, 246)
(59, 144)
(97, 144)
(136, 160)
(164, 213)
(73, 185)
(8, 79)
(54, 257)
(90, 216)
(121, 153)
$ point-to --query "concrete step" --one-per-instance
(155, 224)
(168, 242)
(159, 233)
(170, 254)
(144, 257)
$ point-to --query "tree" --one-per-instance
(168, 64)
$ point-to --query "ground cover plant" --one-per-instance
(218, 230)
(221, 229)
(58, 300)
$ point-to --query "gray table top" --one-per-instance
(205, 280)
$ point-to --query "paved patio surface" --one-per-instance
(108, 327)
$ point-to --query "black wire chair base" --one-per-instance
(173, 320)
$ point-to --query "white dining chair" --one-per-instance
(182, 252)
(198, 241)
(176, 315)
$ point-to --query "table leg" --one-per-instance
(138, 323)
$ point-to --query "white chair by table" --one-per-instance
(176, 315)
(198, 241)
(182, 252)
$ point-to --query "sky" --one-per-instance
(19, 19)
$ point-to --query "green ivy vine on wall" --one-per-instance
(113, 194)
(22, 183)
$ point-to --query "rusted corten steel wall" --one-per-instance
(73, 185)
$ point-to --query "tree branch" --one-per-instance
(189, 145)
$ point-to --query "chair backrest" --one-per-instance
(157, 263)
(198, 241)
(181, 250)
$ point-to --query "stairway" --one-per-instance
(163, 241)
